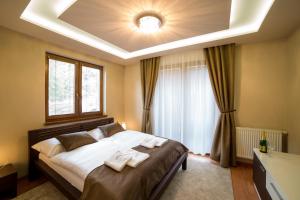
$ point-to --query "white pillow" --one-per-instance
(49, 147)
(96, 134)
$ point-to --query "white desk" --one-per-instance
(282, 174)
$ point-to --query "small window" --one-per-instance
(74, 89)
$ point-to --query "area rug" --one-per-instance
(203, 180)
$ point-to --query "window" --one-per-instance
(184, 108)
(74, 89)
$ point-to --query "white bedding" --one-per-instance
(81, 161)
(69, 176)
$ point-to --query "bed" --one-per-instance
(69, 184)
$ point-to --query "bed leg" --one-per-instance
(184, 164)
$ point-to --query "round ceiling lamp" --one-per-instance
(149, 23)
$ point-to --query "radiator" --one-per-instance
(248, 138)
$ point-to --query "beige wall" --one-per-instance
(261, 80)
(22, 91)
(268, 87)
(293, 55)
(133, 98)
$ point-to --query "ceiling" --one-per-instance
(114, 21)
(281, 20)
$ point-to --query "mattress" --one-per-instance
(72, 178)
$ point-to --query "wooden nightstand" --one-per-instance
(8, 181)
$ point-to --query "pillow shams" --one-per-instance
(111, 129)
(96, 133)
(74, 140)
(49, 147)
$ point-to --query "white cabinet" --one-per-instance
(273, 189)
(282, 175)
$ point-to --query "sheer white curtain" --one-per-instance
(184, 107)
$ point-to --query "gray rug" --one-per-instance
(203, 180)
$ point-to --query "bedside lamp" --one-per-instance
(3, 159)
(3, 164)
(123, 124)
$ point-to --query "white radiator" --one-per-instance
(248, 138)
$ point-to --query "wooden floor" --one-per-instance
(241, 175)
(242, 182)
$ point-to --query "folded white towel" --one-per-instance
(117, 161)
(152, 141)
(136, 157)
(160, 141)
(149, 142)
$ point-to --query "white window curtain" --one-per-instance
(184, 108)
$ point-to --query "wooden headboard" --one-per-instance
(35, 136)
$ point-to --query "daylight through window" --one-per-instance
(73, 90)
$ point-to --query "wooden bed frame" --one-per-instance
(38, 167)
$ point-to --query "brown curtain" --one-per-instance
(149, 74)
(220, 61)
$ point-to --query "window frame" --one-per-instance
(78, 114)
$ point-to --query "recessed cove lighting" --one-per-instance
(149, 23)
(46, 14)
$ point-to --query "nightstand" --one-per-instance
(8, 181)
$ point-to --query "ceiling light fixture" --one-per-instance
(149, 23)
